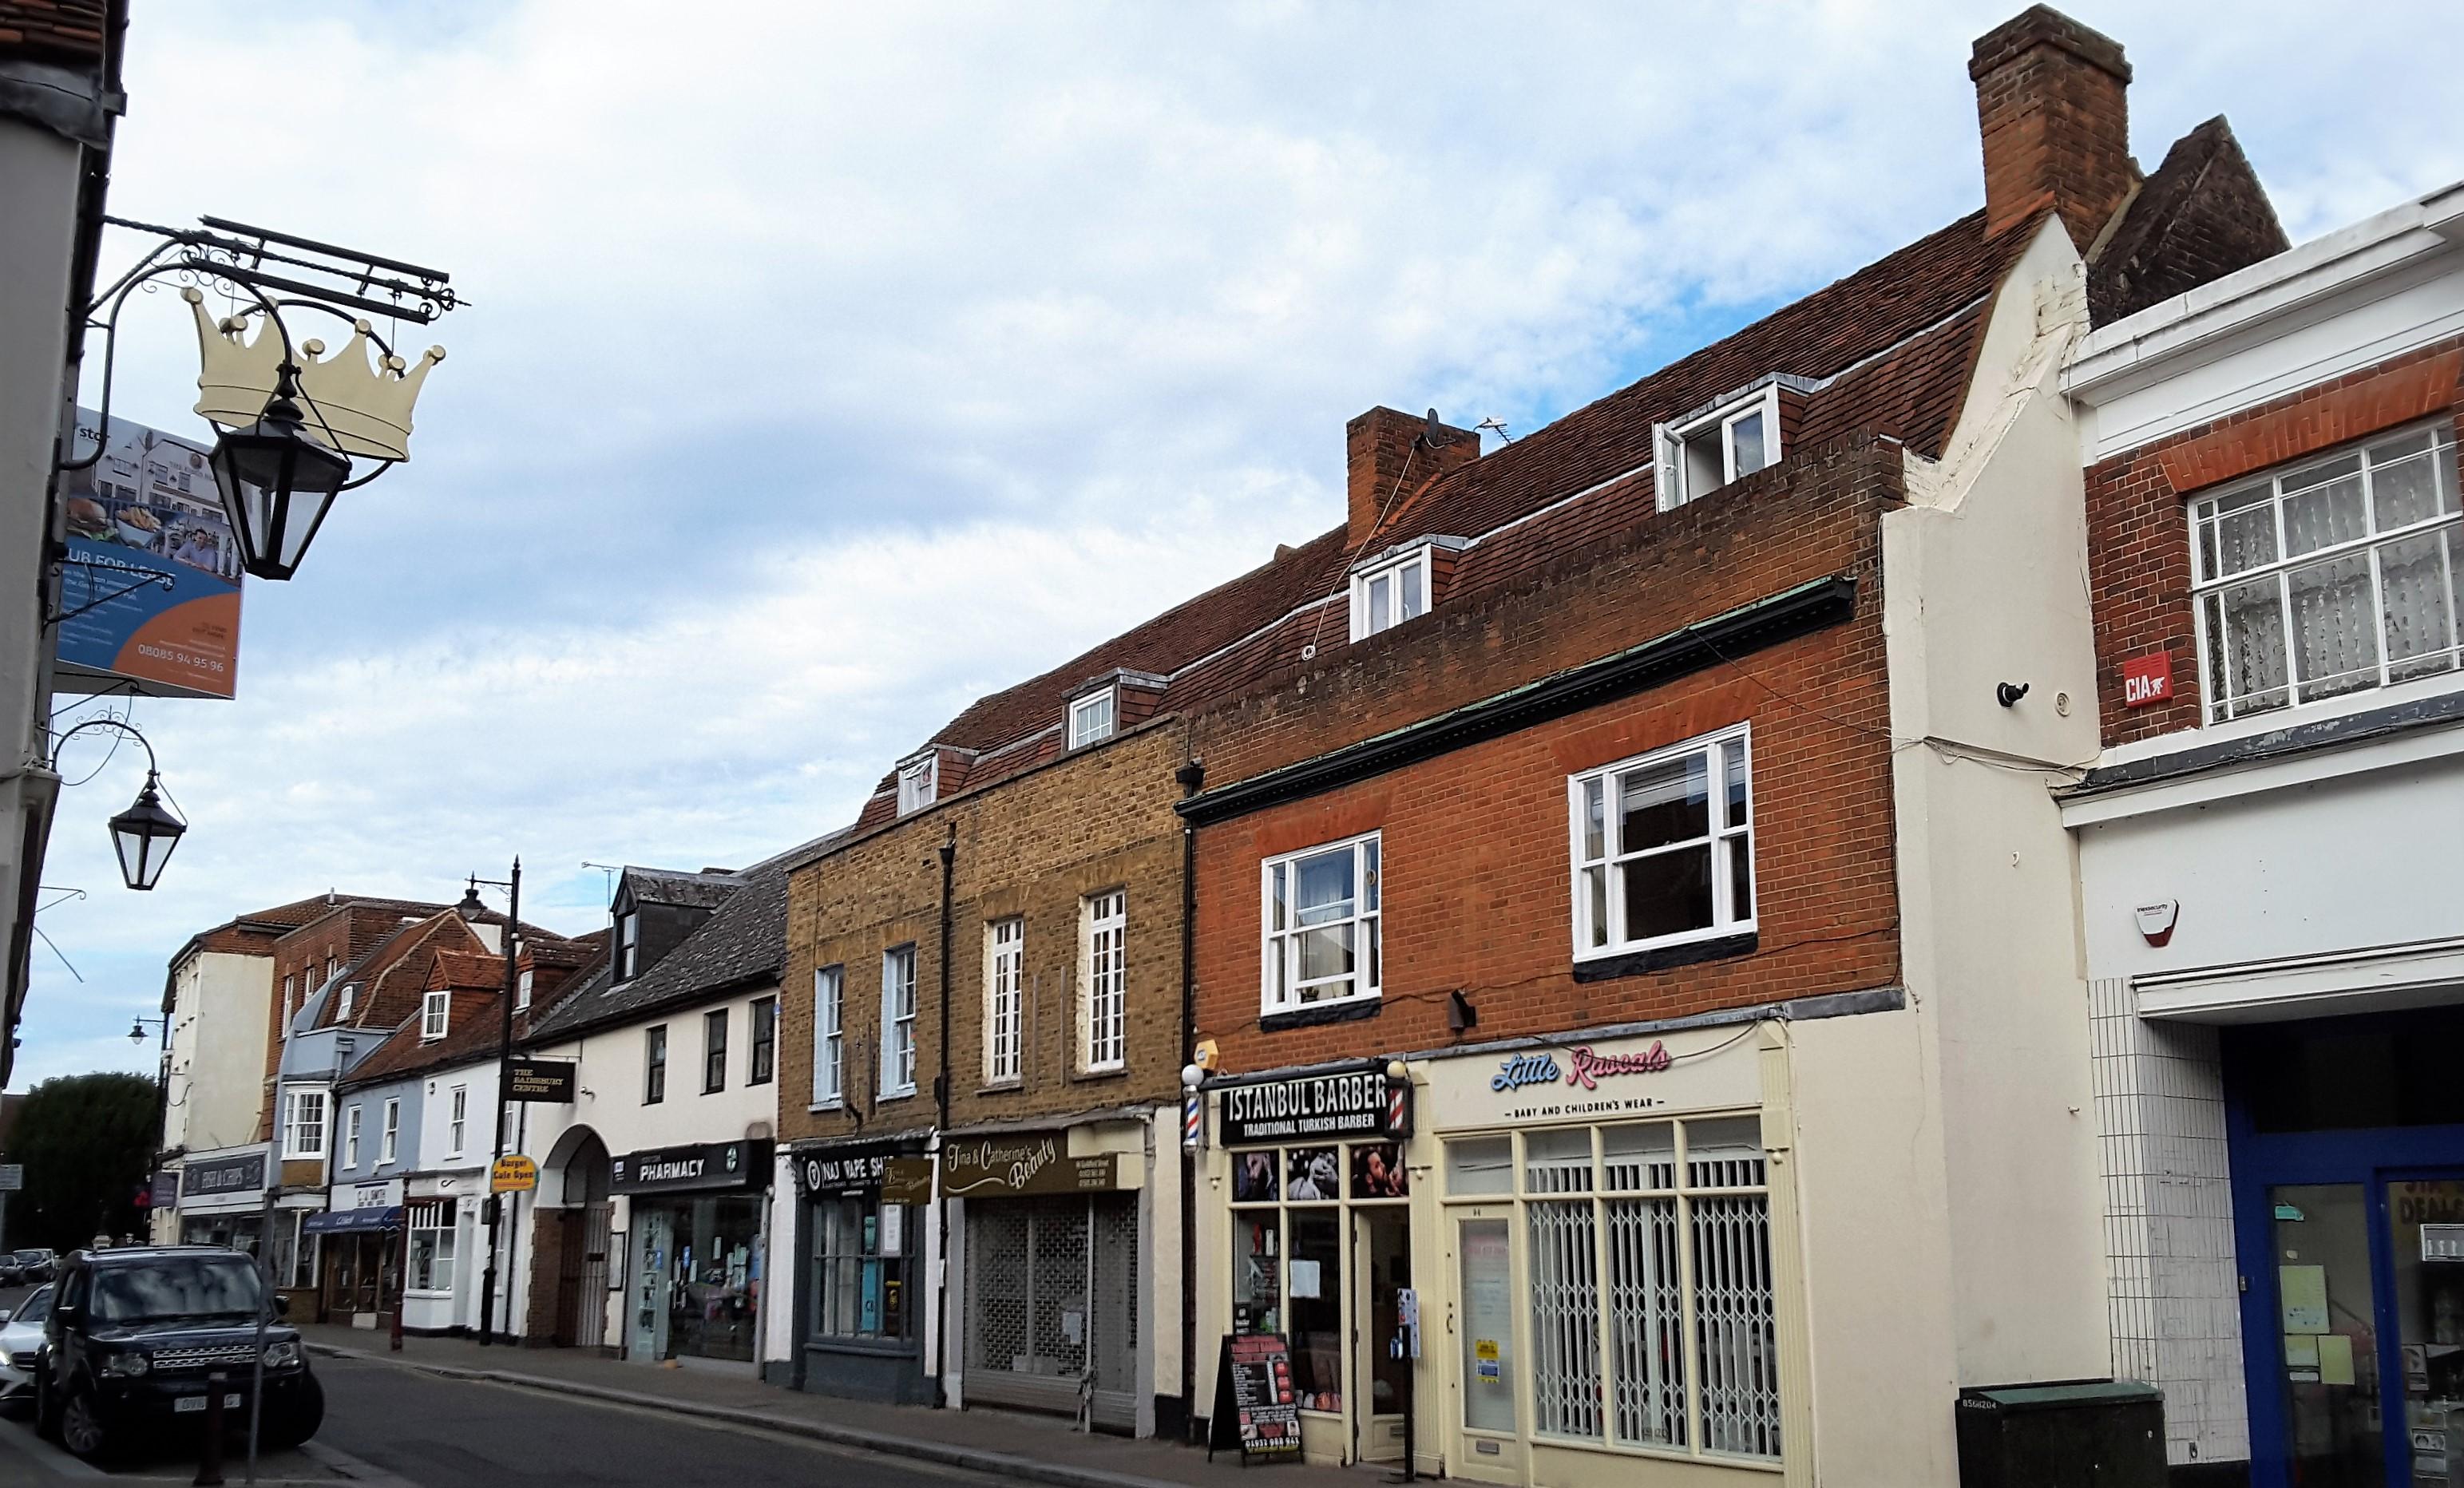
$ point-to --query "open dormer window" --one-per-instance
(1726, 443)
(1092, 717)
(1389, 593)
(917, 781)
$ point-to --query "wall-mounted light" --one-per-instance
(144, 835)
(1461, 1015)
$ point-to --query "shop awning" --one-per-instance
(340, 1221)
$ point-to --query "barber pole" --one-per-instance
(1398, 1106)
(1193, 1118)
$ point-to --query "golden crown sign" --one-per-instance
(353, 406)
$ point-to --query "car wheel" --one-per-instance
(300, 1417)
(81, 1428)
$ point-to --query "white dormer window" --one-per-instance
(1726, 444)
(1092, 717)
(917, 782)
(349, 995)
(1391, 593)
(432, 1017)
(522, 992)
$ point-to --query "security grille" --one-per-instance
(1058, 1304)
(590, 1316)
(1565, 1320)
(1647, 1321)
(1112, 1319)
(1736, 1340)
(997, 1282)
(1052, 1305)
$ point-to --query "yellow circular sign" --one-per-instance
(515, 1175)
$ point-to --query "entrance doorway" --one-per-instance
(1381, 1268)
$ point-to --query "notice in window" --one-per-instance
(1305, 1278)
(2301, 1291)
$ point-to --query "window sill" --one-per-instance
(1097, 1076)
(1001, 1086)
(818, 1106)
(1315, 1015)
(907, 1094)
(1661, 958)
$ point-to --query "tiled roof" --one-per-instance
(703, 890)
(744, 938)
(58, 30)
(1886, 349)
(473, 1030)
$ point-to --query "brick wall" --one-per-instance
(1475, 851)
(2053, 109)
(2139, 531)
(1033, 846)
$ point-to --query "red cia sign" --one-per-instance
(2146, 680)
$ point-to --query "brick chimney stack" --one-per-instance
(2053, 103)
(1387, 456)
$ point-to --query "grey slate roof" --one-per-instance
(703, 890)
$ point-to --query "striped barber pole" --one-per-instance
(1192, 1119)
(1399, 1107)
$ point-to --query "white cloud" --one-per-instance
(826, 366)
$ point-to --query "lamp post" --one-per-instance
(494, 1205)
(162, 1099)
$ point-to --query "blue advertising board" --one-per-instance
(147, 539)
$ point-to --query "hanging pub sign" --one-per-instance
(551, 1081)
(703, 1166)
(1028, 1163)
(1356, 1103)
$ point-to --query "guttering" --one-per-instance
(1793, 612)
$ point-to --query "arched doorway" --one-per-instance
(578, 1168)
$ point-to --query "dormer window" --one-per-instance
(349, 995)
(917, 782)
(432, 1015)
(628, 943)
(1389, 593)
(522, 991)
(1728, 443)
(1092, 717)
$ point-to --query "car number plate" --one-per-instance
(191, 1405)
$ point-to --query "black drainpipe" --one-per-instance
(941, 1116)
(1190, 776)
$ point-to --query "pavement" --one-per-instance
(996, 1443)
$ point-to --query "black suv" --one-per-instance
(135, 1334)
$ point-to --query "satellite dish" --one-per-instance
(1430, 434)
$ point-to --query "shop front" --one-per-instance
(1313, 1185)
(222, 1198)
(866, 1217)
(1050, 1261)
(697, 1250)
(359, 1236)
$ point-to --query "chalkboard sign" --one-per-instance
(1255, 1408)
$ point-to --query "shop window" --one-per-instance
(765, 1041)
(899, 1021)
(1290, 1273)
(1653, 1240)
(1663, 847)
(1257, 1269)
(1103, 978)
(829, 1040)
(860, 1268)
(1004, 999)
(1322, 922)
(714, 1051)
(429, 1229)
(2338, 576)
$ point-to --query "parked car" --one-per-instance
(36, 1265)
(134, 1336)
(21, 1344)
(9, 1269)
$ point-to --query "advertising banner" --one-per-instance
(151, 552)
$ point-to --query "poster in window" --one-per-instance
(1488, 1326)
(1378, 1170)
(1253, 1177)
(1314, 1173)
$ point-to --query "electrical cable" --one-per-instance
(1368, 538)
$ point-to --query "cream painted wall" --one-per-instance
(220, 1006)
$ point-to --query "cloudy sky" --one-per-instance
(826, 366)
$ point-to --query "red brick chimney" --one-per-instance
(1388, 457)
(2052, 102)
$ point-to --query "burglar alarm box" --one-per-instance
(2079, 1434)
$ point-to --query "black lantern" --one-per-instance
(137, 1030)
(276, 483)
(145, 835)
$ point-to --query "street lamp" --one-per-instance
(276, 482)
(144, 834)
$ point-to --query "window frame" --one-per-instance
(628, 943)
(919, 783)
(1719, 421)
(1103, 1037)
(1081, 731)
(1391, 571)
(829, 1037)
(761, 1059)
(522, 991)
(389, 1140)
(435, 1016)
(2214, 709)
(343, 1001)
(351, 1119)
(898, 1028)
(457, 1119)
(1719, 835)
(713, 1050)
(1276, 945)
(654, 1065)
(1005, 1024)
(434, 1219)
(294, 1100)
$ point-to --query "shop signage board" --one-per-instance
(221, 1176)
(700, 1167)
(1030, 1163)
(1589, 1079)
(151, 585)
(855, 1167)
(513, 1173)
(1353, 1102)
(550, 1080)
(1255, 1407)
(907, 1180)
(385, 1193)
